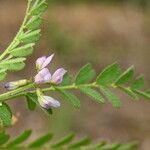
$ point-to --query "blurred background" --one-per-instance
(81, 31)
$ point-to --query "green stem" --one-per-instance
(14, 93)
(22, 91)
(18, 34)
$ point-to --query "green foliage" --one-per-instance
(109, 75)
(20, 139)
(111, 97)
(32, 102)
(34, 23)
(22, 45)
(13, 64)
(23, 50)
(85, 74)
(30, 37)
(39, 7)
(5, 115)
(93, 94)
(125, 77)
(139, 83)
(66, 80)
(110, 78)
(41, 141)
(3, 138)
(2, 74)
(64, 143)
(129, 92)
(142, 94)
(81, 143)
(71, 98)
(65, 140)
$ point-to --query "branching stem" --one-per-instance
(22, 91)
(5, 53)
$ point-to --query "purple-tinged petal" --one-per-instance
(47, 61)
(38, 79)
(43, 76)
(48, 102)
(10, 86)
(39, 62)
(47, 78)
(57, 77)
(44, 72)
(15, 84)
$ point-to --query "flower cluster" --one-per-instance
(43, 76)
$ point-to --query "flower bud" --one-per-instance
(15, 84)
(47, 102)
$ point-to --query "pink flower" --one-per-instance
(58, 75)
(42, 62)
(44, 76)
